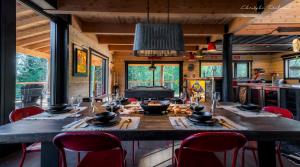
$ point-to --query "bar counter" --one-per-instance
(265, 94)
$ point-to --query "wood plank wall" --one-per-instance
(80, 85)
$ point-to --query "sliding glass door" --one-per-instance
(166, 74)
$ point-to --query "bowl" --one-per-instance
(105, 116)
(201, 116)
(113, 108)
(176, 100)
(123, 101)
(156, 108)
(197, 107)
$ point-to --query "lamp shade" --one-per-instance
(158, 40)
(211, 46)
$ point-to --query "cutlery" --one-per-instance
(128, 122)
(224, 123)
(176, 122)
(180, 120)
(124, 122)
(79, 124)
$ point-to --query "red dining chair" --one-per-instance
(102, 149)
(252, 145)
(199, 149)
(19, 114)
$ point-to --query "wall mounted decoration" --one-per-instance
(80, 61)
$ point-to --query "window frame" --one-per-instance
(180, 63)
(285, 66)
(106, 69)
(234, 65)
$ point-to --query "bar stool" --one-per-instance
(252, 145)
(102, 149)
(20, 114)
(199, 149)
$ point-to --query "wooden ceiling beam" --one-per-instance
(130, 48)
(128, 29)
(156, 6)
(26, 51)
(272, 6)
(33, 31)
(34, 39)
(39, 45)
(45, 49)
(31, 22)
(129, 39)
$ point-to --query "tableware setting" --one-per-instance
(91, 123)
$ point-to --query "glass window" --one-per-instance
(207, 69)
(98, 75)
(292, 68)
(32, 87)
(167, 75)
(241, 70)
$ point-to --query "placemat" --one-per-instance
(48, 116)
(176, 123)
(248, 114)
(81, 125)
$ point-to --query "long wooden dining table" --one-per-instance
(265, 130)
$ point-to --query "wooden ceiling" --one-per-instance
(112, 22)
(33, 32)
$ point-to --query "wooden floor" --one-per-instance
(150, 154)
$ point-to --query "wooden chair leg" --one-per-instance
(138, 143)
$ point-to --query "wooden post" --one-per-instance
(59, 38)
(7, 59)
(227, 68)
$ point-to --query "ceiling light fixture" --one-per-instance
(158, 39)
(211, 47)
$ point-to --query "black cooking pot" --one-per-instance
(155, 109)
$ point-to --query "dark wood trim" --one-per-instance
(7, 59)
(156, 62)
(106, 77)
(59, 38)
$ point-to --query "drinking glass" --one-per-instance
(217, 97)
(72, 102)
(79, 101)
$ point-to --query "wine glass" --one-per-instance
(72, 102)
(217, 97)
(79, 101)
